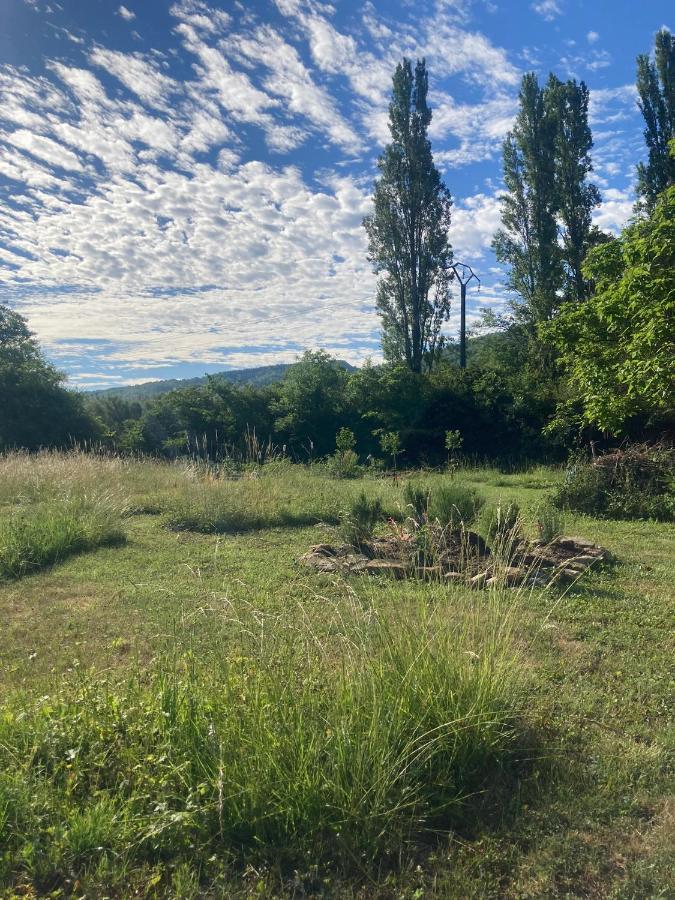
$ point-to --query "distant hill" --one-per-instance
(257, 377)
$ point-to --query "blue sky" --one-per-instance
(183, 183)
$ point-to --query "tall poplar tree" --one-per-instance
(528, 241)
(576, 197)
(408, 230)
(656, 90)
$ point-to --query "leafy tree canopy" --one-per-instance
(618, 347)
(408, 230)
(35, 409)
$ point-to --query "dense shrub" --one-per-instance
(549, 522)
(637, 483)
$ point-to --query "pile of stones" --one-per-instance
(464, 558)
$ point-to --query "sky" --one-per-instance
(182, 184)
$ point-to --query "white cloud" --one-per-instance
(144, 229)
(44, 148)
(290, 80)
(125, 13)
(616, 210)
(592, 37)
(547, 9)
(139, 75)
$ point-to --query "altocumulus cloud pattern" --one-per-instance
(183, 183)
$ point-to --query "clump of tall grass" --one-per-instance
(41, 534)
(295, 746)
(292, 498)
(358, 520)
(549, 521)
(449, 503)
(27, 478)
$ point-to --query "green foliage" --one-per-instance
(345, 462)
(454, 504)
(656, 89)
(501, 523)
(575, 196)
(550, 523)
(40, 535)
(345, 440)
(618, 347)
(408, 230)
(358, 521)
(416, 501)
(638, 483)
(286, 748)
(528, 241)
(453, 440)
(35, 409)
(310, 401)
(390, 443)
(546, 166)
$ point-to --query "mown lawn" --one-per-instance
(578, 801)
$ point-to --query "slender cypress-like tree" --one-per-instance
(656, 90)
(576, 197)
(528, 241)
(408, 230)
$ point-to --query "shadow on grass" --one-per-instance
(241, 523)
(47, 558)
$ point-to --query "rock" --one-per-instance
(568, 574)
(321, 550)
(514, 575)
(453, 576)
(320, 563)
(385, 567)
(538, 579)
(509, 577)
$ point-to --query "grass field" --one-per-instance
(188, 712)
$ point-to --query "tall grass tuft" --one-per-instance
(294, 497)
(39, 535)
(342, 745)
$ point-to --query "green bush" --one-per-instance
(636, 483)
(358, 521)
(416, 501)
(550, 522)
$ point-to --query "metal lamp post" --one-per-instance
(463, 273)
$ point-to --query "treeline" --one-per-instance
(494, 408)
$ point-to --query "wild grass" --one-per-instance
(332, 742)
(296, 497)
(41, 534)
(124, 674)
(27, 478)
